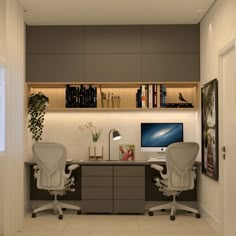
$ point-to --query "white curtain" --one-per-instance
(15, 118)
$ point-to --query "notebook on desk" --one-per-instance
(157, 159)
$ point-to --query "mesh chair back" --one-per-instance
(51, 160)
(180, 158)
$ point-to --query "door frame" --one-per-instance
(222, 52)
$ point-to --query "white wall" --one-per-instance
(2, 64)
(216, 30)
(11, 161)
(63, 127)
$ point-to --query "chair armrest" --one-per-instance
(73, 167)
(160, 169)
(157, 167)
(36, 169)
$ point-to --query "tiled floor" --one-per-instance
(47, 224)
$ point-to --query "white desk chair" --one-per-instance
(51, 176)
(180, 158)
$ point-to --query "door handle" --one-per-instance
(223, 150)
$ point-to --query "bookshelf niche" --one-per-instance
(119, 96)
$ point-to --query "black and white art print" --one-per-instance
(209, 99)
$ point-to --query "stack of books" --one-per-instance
(81, 96)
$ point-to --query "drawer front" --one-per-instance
(97, 181)
(129, 206)
(129, 193)
(97, 171)
(129, 181)
(97, 206)
(129, 171)
(97, 193)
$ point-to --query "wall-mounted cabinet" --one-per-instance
(134, 96)
(122, 53)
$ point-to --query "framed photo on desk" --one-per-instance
(126, 152)
(209, 98)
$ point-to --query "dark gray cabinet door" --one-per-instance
(171, 39)
(113, 67)
(54, 39)
(171, 67)
(113, 39)
(55, 68)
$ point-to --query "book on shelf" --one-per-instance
(162, 95)
(150, 96)
(154, 95)
(144, 95)
(81, 96)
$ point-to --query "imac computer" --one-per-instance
(155, 137)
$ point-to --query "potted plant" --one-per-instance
(95, 148)
(36, 111)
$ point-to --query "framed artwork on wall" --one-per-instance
(126, 152)
(209, 105)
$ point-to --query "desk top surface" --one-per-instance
(107, 162)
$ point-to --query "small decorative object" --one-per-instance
(127, 152)
(37, 107)
(181, 98)
(95, 148)
(115, 101)
(209, 95)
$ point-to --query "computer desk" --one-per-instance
(112, 186)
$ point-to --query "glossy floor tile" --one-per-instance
(47, 224)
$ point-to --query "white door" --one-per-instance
(228, 77)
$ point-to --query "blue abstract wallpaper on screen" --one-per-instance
(161, 134)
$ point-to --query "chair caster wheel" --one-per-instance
(33, 215)
(60, 217)
(172, 218)
(150, 213)
(79, 212)
(198, 215)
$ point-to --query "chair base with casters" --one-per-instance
(57, 207)
(173, 206)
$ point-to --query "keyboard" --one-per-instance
(156, 159)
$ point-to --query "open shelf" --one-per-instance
(126, 92)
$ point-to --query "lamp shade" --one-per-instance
(116, 135)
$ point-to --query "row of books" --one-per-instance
(81, 96)
(147, 96)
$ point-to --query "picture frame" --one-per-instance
(210, 142)
(127, 152)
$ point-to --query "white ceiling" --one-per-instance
(114, 12)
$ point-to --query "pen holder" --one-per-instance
(105, 103)
(115, 102)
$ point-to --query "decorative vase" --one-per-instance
(96, 150)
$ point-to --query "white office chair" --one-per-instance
(51, 176)
(180, 176)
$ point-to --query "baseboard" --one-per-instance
(210, 219)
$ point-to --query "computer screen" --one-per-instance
(155, 137)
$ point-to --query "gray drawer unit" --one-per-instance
(97, 206)
(129, 171)
(126, 206)
(97, 171)
(129, 189)
(130, 181)
(97, 193)
(129, 193)
(97, 181)
(97, 189)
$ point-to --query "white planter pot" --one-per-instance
(96, 150)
